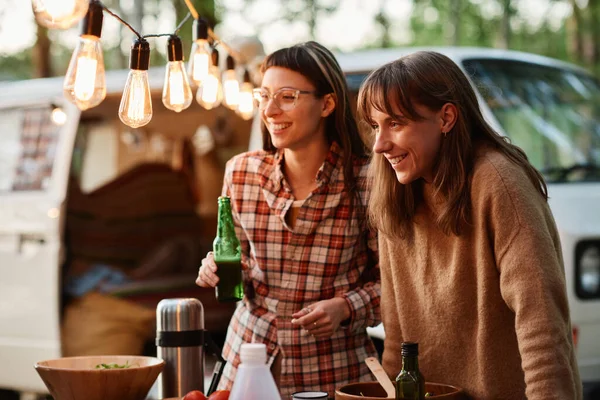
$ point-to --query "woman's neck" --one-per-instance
(301, 167)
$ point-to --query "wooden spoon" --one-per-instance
(381, 376)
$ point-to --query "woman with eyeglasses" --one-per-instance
(311, 264)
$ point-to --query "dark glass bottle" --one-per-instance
(228, 255)
(410, 383)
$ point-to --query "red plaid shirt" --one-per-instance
(325, 255)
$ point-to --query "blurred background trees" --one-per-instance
(564, 29)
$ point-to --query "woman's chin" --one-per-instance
(405, 178)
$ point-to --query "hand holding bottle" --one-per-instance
(323, 318)
(222, 267)
(207, 274)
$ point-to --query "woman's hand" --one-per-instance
(207, 274)
(323, 318)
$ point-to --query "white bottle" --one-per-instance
(254, 380)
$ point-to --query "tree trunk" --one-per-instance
(384, 23)
(455, 17)
(312, 20)
(594, 6)
(505, 31)
(137, 16)
(41, 54)
(576, 25)
(120, 57)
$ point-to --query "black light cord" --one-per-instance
(157, 35)
(120, 20)
(212, 35)
(182, 23)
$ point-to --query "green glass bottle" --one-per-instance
(410, 383)
(228, 255)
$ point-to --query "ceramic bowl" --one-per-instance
(77, 378)
(374, 391)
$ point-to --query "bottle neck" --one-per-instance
(225, 226)
(410, 363)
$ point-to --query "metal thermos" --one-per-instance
(180, 342)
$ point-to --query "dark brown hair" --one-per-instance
(431, 80)
(320, 67)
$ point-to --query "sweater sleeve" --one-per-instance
(532, 283)
(389, 313)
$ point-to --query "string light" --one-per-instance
(135, 109)
(59, 14)
(200, 60)
(246, 103)
(231, 86)
(210, 94)
(177, 94)
(85, 82)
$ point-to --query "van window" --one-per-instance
(552, 114)
(27, 148)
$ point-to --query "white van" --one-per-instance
(549, 108)
(94, 191)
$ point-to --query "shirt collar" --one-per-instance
(333, 161)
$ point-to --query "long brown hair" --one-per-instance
(318, 65)
(431, 80)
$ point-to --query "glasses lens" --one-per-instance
(285, 99)
(261, 97)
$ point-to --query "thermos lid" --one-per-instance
(176, 315)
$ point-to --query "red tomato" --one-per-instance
(194, 395)
(219, 395)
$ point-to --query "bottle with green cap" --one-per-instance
(410, 384)
(228, 255)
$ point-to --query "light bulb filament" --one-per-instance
(201, 65)
(85, 78)
(176, 94)
(137, 97)
(210, 88)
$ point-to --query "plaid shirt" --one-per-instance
(325, 255)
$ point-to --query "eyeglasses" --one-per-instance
(284, 99)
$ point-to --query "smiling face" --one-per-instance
(411, 147)
(302, 125)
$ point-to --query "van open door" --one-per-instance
(35, 154)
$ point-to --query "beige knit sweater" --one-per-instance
(488, 308)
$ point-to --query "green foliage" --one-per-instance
(16, 66)
(481, 23)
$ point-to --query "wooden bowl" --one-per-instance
(374, 391)
(76, 378)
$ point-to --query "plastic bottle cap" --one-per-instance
(253, 353)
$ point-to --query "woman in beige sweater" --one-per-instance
(470, 257)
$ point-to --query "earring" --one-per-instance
(445, 133)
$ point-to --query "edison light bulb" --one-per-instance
(85, 82)
(246, 105)
(136, 104)
(210, 94)
(231, 86)
(177, 95)
(59, 14)
(200, 56)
